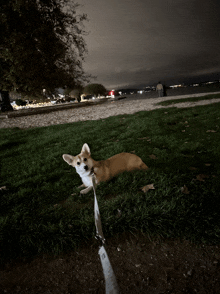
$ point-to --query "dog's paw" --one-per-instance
(83, 192)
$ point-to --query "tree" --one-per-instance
(42, 46)
(95, 89)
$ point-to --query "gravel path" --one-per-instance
(126, 106)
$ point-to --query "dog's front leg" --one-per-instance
(81, 186)
(85, 191)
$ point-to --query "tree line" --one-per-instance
(42, 47)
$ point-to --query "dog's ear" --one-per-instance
(85, 149)
(68, 158)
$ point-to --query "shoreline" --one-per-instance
(98, 111)
(170, 93)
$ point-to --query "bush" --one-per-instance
(95, 89)
(20, 102)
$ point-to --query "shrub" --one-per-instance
(20, 102)
(95, 89)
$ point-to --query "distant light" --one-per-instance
(176, 86)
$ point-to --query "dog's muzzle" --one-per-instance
(86, 167)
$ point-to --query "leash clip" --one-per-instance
(100, 240)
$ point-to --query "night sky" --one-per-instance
(138, 43)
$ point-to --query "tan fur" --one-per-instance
(103, 170)
(106, 169)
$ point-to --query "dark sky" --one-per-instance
(143, 41)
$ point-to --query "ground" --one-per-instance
(140, 266)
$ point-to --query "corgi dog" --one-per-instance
(103, 170)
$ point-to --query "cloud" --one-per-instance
(143, 41)
(182, 68)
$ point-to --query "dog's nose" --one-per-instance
(86, 167)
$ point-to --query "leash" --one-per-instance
(111, 286)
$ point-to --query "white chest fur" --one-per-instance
(85, 175)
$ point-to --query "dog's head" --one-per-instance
(82, 162)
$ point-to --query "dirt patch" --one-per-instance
(140, 265)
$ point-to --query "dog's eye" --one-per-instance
(85, 159)
(78, 163)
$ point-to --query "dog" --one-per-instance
(102, 170)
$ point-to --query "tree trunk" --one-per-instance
(6, 105)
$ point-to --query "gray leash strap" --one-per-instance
(98, 223)
(111, 286)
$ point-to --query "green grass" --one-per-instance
(39, 215)
(190, 99)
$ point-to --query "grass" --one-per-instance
(39, 215)
(190, 99)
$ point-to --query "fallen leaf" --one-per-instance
(183, 131)
(185, 190)
(152, 156)
(147, 188)
(3, 188)
(207, 164)
(201, 177)
(137, 265)
(210, 131)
